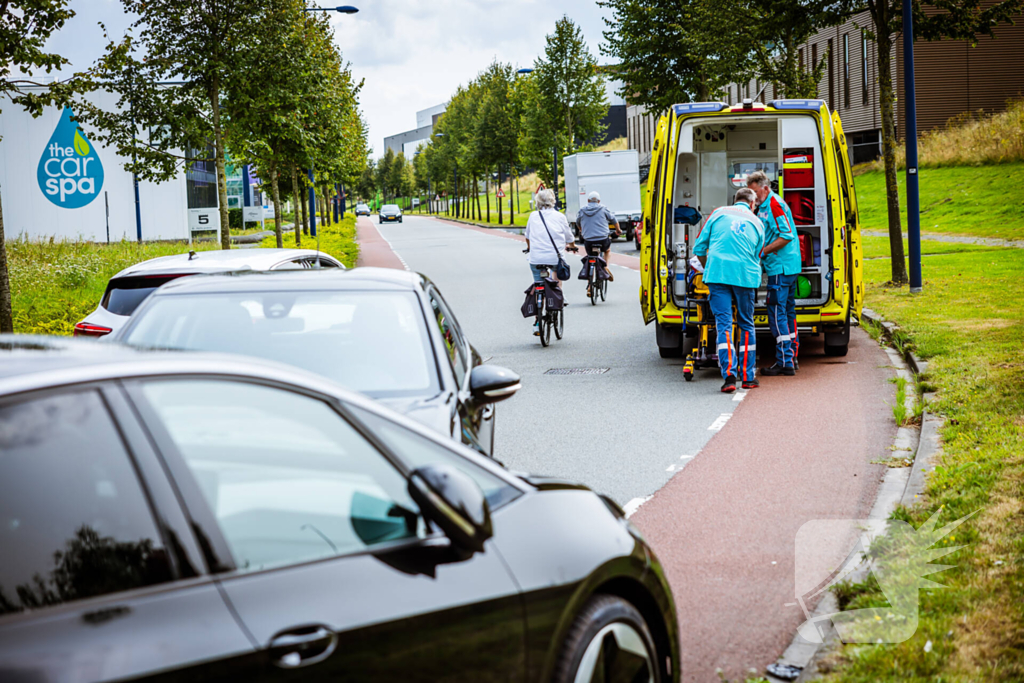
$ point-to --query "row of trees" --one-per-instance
(196, 80)
(502, 122)
(672, 51)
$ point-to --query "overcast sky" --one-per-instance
(411, 53)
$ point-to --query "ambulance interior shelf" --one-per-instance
(723, 152)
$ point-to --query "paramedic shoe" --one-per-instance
(796, 364)
(751, 384)
(776, 370)
(730, 385)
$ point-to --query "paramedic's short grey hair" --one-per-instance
(759, 178)
(745, 194)
(545, 199)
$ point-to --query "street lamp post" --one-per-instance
(343, 9)
(913, 197)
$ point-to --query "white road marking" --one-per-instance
(719, 422)
(392, 247)
(634, 505)
(740, 395)
(675, 467)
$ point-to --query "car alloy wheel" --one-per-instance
(608, 641)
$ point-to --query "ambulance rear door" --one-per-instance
(851, 228)
(650, 283)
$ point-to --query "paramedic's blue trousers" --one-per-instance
(734, 354)
(782, 317)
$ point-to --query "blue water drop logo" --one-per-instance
(70, 173)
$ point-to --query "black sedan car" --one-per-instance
(387, 333)
(200, 517)
(390, 213)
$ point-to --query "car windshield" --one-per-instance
(390, 208)
(373, 342)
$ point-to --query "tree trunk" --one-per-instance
(497, 199)
(892, 195)
(476, 191)
(6, 312)
(297, 192)
(275, 192)
(222, 180)
(303, 204)
(487, 195)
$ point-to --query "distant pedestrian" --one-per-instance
(783, 264)
(729, 247)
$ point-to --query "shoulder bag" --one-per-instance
(562, 269)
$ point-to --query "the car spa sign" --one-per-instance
(70, 172)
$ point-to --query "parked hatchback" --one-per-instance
(387, 333)
(131, 286)
(194, 517)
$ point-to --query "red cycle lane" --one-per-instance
(796, 449)
(374, 250)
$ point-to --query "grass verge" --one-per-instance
(336, 239)
(969, 324)
(981, 201)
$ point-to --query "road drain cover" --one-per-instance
(577, 371)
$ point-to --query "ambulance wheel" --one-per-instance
(838, 350)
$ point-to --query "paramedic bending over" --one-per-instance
(547, 235)
(782, 264)
(729, 248)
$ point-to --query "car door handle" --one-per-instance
(302, 646)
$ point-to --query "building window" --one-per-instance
(846, 70)
(864, 64)
(800, 54)
(814, 66)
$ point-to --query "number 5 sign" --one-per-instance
(204, 219)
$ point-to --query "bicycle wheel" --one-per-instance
(604, 289)
(545, 330)
(594, 287)
(559, 323)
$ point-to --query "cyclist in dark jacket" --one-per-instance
(596, 221)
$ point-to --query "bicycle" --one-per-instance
(547, 320)
(595, 286)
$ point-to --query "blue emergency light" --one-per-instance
(813, 105)
(681, 109)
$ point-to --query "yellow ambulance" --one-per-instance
(703, 152)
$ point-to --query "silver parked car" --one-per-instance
(131, 286)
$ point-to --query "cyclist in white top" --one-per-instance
(546, 245)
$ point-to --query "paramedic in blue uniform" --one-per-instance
(729, 247)
(782, 263)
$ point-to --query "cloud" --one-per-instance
(413, 54)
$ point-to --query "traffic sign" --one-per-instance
(541, 187)
(501, 193)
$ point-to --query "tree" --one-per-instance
(24, 30)
(383, 173)
(366, 186)
(567, 99)
(199, 46)
(266, 107)
(498, 125)
(775, 29)
(673, 51)
(950, 19)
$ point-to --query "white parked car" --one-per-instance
(131, 286)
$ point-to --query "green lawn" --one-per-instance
(56, 284)
(982, 201)
(969, 324)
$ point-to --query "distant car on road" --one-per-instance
(387, 333)
(131, 286)
(194, 516)
(390, 213)
(362, 210)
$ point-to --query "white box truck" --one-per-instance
(615, 176)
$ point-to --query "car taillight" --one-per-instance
(90, 330)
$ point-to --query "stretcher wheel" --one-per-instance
(688, 370)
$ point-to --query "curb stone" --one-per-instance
(903, 486)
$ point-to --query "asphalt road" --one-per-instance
(624, 432)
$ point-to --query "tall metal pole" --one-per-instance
(913, 196)
(312, 204)
(558, 204)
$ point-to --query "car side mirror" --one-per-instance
(451, 499)
(491, 383)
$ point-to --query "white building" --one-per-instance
(55, 181)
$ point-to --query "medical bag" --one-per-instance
(806, 249)
(798, 168)
(801, 204)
